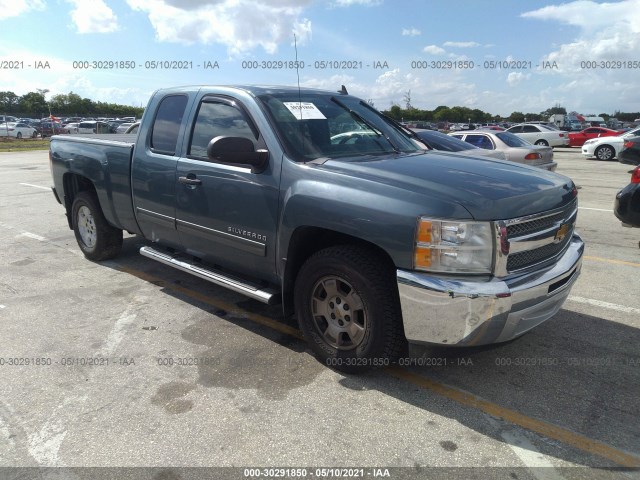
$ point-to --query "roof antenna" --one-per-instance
(295, 44)
(343, 91)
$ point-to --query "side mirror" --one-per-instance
(239, 151)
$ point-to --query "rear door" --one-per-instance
(226, 214)
(153, 173)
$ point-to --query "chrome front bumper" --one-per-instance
(468, 311)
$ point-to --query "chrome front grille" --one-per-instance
(517, 261)
(534, 240)
(528, 227)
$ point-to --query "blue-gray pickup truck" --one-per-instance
(316, 200)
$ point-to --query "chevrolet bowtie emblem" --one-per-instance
(561, 233)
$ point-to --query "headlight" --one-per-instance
(453, 247)
(589, 142)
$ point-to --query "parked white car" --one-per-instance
(72, 127)
(540, 135)
(607, 148)
(17, 130)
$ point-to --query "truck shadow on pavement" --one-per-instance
(578, 372)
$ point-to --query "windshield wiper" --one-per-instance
(359, 117)
(393, 122)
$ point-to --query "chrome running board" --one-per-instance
(264, 295)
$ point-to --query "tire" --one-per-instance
(348, 308)
(604, 152)
(19, 135)
(34, 134)
(542, 143)
(96, 238)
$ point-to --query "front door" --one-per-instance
(225, 214)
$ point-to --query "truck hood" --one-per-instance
(488, 189)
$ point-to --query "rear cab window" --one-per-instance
(166, 125)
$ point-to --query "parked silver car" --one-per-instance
(515, 148)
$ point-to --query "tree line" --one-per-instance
(34, 104)
(444, 113)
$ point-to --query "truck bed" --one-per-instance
(105, 160)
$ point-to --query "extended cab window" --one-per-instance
(218, 119)
(166, 125)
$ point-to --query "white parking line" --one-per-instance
(23, 233)
(607, 305)
(44, 445)
(596, 209)
(32, 235)
(538, 465)
(36, 186)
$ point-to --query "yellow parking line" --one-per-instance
(460, 396)
(610, 260)
(543, 428)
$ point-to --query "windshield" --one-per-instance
(512, 140)
(631, 133)
(317, 125)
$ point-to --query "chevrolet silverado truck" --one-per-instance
(315, 200)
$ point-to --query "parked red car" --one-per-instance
(577, 139)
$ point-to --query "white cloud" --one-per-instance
(93, 17)
(589, 14)
(348, 3)
(461, 44)
(434, 50)
(514, 78)
(241, 25)
(608, 31)
(411, 32)
(14, 8)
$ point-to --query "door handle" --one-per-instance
(190, 180)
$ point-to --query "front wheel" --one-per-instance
(96, 238)
(18, 135)
(348, 309)
(604, 152)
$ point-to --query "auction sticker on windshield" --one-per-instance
(305, 111)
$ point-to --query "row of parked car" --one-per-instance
(27, 127)
(512, 145)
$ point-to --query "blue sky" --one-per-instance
(238, 34)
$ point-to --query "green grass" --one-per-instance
(8, 144)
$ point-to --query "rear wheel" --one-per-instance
(604, 152)
(96, 238)
(19, 135)
(348, 309)
(542, 143)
